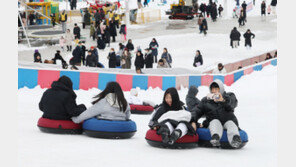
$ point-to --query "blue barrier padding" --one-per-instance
(220, 77)
(95, 124)
(74, 76)
(104, 79)
(237, 75)
(257, 68)
(204, 134)
(27, 77)
(168, 82)
(140, 81)
(274, 62)
(195, 80)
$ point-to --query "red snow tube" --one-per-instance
(141, 109)
(186, 141)
(59, 126)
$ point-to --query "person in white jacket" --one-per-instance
(110, 104)
(69, 39)
(220, 69)
(134, 99)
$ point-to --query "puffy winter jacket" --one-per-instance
(59, 102)
(191, 100)
(197, 59)
(223, 111)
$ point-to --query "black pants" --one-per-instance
(155, 58)
(83, 25)
(113, 38)
(77, 35)
(69, 48)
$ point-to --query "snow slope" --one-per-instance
(256, 112)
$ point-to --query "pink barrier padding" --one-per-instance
(262, 58)
(46, 77)
(155, 81)
(254, 60)
(206, 80)
(248, 71)
(88, 80)
(266, 64)
(228, 67)
(246, 62)
(182, 80)
(125, 81)
(229, 79)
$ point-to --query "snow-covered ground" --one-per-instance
(256, 112)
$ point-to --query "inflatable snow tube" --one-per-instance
(186, 141)
(205, 137)
(141, 109)
(108, 129)
(59, 126)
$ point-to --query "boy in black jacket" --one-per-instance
(218, 108)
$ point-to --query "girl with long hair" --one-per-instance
(110, 104)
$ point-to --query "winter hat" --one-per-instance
(66, 81)
(92, 47)
(192, 91)
(36, 50)
(134, 92)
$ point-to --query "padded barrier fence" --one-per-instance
(86, 80)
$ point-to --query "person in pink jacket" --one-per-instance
(269, 9)
(62, 42)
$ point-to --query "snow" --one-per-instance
(256, 112)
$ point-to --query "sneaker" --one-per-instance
(236, 141)
(174, 136)
(215, 141)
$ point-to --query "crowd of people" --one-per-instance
(104, 27)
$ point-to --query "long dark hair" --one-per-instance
(176, 103)
(113, 87)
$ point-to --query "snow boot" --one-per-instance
(236, 141)
(176, 134)
(215, 141)
(164, 132)
(68, 48)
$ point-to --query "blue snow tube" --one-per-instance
(109, 129)
(205, 137)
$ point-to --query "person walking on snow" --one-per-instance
(248, 35)
(69, 40)
(234, 38)
(76, 31)
(63, 20)
(263, 8)
(154, 46)
(220, 9)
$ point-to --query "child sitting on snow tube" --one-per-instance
(218, 108)
(59, 102)
(110, 104)
(139, 106)
(170, 119)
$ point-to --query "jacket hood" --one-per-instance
(220, 84)
(110, 98)
(66, 81)
(56, 85)
(192, 92)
